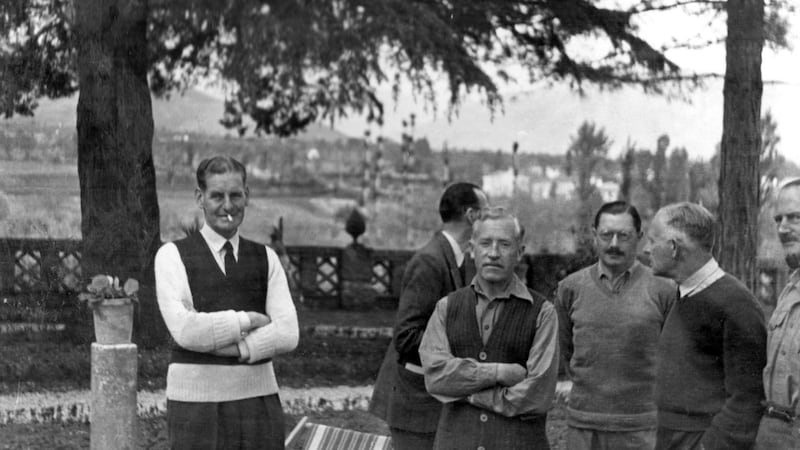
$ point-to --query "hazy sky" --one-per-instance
(783, 100)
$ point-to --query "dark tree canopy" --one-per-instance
(289, 63)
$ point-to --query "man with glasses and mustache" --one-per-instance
(610, 315)
(780, 427)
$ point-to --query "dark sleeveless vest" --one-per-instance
(245, 290)
(464, 426)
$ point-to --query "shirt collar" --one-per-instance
(703, 278)
(215, 241)
(793, 280)
(606, 272)
(459, 254)
(516, 288)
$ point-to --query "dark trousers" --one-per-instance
(775, 434)
(667, 439)
(589, 439)
(411, 440)
(248, 424)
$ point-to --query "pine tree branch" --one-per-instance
(648, 6)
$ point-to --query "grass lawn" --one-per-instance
(153, 432)
(47, 361)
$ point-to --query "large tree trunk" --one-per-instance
(741, 140)
(119, 205)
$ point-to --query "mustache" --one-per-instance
(787, 238)
(614, 251)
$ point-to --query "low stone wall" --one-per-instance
(73, 406)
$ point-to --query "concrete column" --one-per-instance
(114, 407)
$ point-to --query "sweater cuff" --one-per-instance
(226, 330)
(260, 344)
(244, 322)
(244, 352)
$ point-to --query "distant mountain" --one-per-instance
(192, 112)
(544, 118)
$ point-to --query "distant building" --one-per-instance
(609, 190)
(501, 183)
(537, 184)
(541, 184)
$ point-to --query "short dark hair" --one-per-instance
(218, 165)
(619, 207)
(456, 199)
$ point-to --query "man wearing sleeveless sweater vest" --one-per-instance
(780, 426)
(226, 303)
(435, 270)
(490, 350)
(610, 316)
(712, 349)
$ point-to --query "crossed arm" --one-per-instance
(506, 389)
(248, 335)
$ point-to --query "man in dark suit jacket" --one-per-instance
(433, 272)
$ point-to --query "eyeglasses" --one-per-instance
(792, 218)
(622, 236)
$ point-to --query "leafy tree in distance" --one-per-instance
(587, 149)
(626, 163)
(676, 179)
(771, 161)
(659, 169)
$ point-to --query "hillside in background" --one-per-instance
(544, 118)
(192, 112)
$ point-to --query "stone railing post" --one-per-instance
(114, 406)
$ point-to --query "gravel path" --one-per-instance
(73, 406)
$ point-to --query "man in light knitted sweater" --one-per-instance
(610, 315)
(709, 390)
(226, 303)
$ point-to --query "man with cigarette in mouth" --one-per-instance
(227, 305)
(780, 427)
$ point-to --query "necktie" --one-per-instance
(462, 269)
(230, 261)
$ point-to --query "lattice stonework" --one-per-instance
(327, 279)
(69, 271)
(27, 270)
(382, 276)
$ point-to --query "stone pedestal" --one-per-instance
(356, 272)
(113, 408)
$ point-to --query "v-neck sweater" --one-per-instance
(609, 341)
(711, 356)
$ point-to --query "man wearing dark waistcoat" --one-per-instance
(437, 269)
(226, 303)
(490, 350)
(712, 348)
(780, 426)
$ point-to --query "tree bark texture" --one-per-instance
(119, 205)
(741, 140)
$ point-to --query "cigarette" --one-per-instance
(230, 219)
